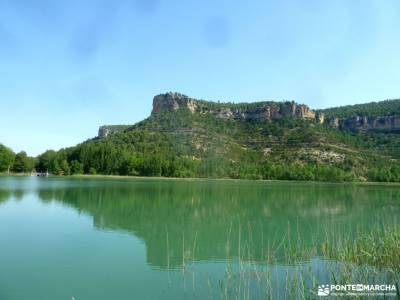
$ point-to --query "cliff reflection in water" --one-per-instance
(206, 220)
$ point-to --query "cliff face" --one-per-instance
(106, 130)
(365, 123)
(263, 111)
(268, 111)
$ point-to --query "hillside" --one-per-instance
(185, 137)
(373, 109)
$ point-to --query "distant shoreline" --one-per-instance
(88, 176)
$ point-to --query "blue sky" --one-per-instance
(67, 67)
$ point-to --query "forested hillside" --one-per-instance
(181, 143)
(372, 109)
(264, 140)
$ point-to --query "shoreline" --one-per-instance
(89, 176)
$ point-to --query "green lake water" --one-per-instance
(78, 238)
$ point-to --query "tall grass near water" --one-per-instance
(290, 268)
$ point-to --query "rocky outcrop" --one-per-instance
(172, 102)
(263, 111)
(368, 124)
(106, 130)
(268, 111)
(333, 121)
(320, 117)
(103, 132)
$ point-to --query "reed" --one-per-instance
(369, 257)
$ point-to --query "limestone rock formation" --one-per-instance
(172, 102)
(264, 111)
(106, 130)
(103, 132)
(364, 123)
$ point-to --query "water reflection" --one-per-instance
(187, 220)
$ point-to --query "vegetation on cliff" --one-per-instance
(185, 144)
(179, 141)
(373, 109)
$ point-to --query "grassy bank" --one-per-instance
(15, 174)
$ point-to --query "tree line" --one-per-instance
(105, 158)
(182, 144)
(15, 162)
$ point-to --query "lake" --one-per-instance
(104, 238)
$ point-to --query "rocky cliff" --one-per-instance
(106, 130)
(263, 111)
(268, 111)
(367, 123)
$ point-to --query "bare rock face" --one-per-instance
(365, 123)
(320, 117)
(225, 113)
(265, 111)
(294, 110)
(257, 113)
(332, 121)
(268, 111)
(106, 130)
(172, 102)
(103, 132)
(302, 111)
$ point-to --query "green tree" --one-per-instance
(64, 167)
(6, 158)
(76, 167)
(23, 163)
(45, 160)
